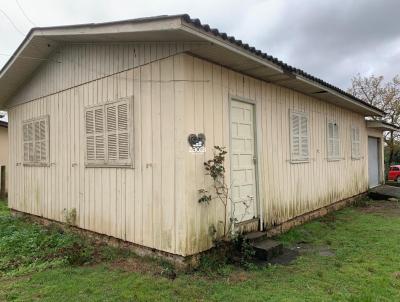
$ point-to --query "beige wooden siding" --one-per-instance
(140, 205)
(286, 189)
(156, 203)
(73, 64)
(4, 151)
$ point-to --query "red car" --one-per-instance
(394, 173)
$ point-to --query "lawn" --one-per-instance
(351, 255)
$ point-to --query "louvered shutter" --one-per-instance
(35, 141)
(299, 134)
(28, 142)
(95, 145)
(118, 134)
(355, 142)
(295, 136)
(123, 133)
(108, 134)
(112, 133)
(304, 137)
(333, 141)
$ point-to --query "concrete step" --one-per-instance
(384, 192)
(267, 249)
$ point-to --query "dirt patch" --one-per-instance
(382, 207)
(287, 257)
(238, 277)
(136, 264)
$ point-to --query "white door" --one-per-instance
(243, 162)
(373, 162)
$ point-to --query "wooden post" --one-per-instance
(3, 182)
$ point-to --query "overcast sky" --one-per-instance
(333, 40)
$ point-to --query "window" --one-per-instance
(36, 141)
(108, 134)
(299, 137)
(394, 169)
(355, 143)
(333, 141)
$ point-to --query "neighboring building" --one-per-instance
(4, 151)
(99, 124)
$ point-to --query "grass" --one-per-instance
(27, 247)
(365, 267)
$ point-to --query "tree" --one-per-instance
(385, 96)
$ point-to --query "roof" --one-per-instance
(382, 125)
(218, 47)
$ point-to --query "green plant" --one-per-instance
(244, 249)
(26, 247)
(70, 216)
(215, 168)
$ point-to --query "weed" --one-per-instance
(362, 202)
(70, 216)
(27, 247)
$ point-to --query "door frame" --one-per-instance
(257, 152)
(381, 172)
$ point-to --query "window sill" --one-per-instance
(125, 166)
(334, 159)
(356, 158)
(36, 164)
(299, 161)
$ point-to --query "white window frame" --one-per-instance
(34, 141)
(300, 158)
(128, 163)
(354, 142)
(333, 157)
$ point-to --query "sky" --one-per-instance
(333, 40)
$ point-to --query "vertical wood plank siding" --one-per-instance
(286, 189)
(156, 203)
(139, 205)
(73, 64)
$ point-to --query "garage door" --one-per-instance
(373, 162)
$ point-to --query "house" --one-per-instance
(3, 157)
(110, 125)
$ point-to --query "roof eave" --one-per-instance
(382, 126)
(273, 70)
(365, 109)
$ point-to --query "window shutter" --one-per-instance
(95, 149)
(333, 141)
(304, 137)
(118, 132)
(355, 142)
(295, 136)
(28, 142)
(35, 141)
(108, 134)
(99, 133)
(112, 141)
(90, 150)
(299, 133)
(123, 134)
